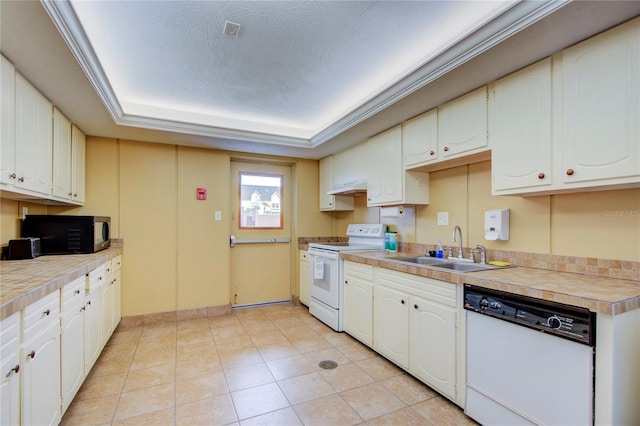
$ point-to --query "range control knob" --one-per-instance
(484, 303)
(554, 322)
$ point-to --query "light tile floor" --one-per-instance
(257, 366)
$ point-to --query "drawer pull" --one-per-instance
(540, 175)
(12, 175)
(432, 152)
(14, 370)
(446, 148)
(21, 179)
(570, 172)
(83, 308)
(47, 312)
(31, 354)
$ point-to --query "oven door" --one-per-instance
(325, 276)
(325, 279)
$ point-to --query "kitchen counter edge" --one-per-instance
(602, 295)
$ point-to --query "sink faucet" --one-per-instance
(453, 238)
(483, 253)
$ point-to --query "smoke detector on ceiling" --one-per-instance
(231, 28)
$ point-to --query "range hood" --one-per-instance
(355, 187)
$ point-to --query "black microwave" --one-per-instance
(61, 234)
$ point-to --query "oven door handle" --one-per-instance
(324, 254)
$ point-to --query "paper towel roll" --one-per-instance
(491, 236)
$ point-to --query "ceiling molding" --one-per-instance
(512, 20)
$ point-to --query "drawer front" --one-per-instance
(73, 293)
(97, 277)
(37, 316)
(10, 334)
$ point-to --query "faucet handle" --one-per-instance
(449, 253)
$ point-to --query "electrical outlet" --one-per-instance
(218, 215)
(443, 218)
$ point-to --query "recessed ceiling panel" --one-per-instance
(294, 68)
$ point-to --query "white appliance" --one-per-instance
(326, 270)
(529, 361)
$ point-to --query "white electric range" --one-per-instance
(327, 271)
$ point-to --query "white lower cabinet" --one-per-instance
(391, 328)
(415, 326)
(358, 301)
(40, 401)
(10, 370)
(72, 340)
(304, 277)
(92, 333)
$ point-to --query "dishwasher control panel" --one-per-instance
(570, 322)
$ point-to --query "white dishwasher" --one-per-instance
(529, 361)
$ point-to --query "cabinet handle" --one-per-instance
(12, 175)
(431, 152)
(99, 278)
(76, 292)
(402, 301)
(540, 175)
(346, 282)
(415, 306)
(31, 354)
(446, 148)
(21, 179)
(75, 195)
(89, 302)
(69, 194)
(47, 312)
(83, 308)
(570, 172)
(330, 204)
(15, 370)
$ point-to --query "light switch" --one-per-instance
(218, 215)
(443, 218)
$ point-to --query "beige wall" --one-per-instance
(569, 224)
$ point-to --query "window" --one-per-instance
(260, 201)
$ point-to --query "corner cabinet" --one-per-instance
(331, 202)
(415, 326)
(387, 181)
(358, 301)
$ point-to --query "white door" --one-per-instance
(261, 230)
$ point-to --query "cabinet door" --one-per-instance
(72, 352)
(420, 139)
(7, 122)
(433, 344)
(391, 324)
(41, 378)
(78, 160)
(601, 106)
(106, 310)
(331, 202)
(385, 176)
(304, 277)
(358, 304)
(521, 129)
(10, 389)
(116, 296)
(92, 334)
(34, 131)
(61, 155)
(462, 124)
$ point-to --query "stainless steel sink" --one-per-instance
(466, 267)
(422, 260)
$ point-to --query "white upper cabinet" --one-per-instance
(7, 121)
(520, 129)
(462, 125)
(61, 155)
(600, 107)
(331, 202)
(387, 181)
(420, 139)
(33, 142)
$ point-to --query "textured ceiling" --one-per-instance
(296, 67)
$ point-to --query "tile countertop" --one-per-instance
(603, 295)
(22, 282)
